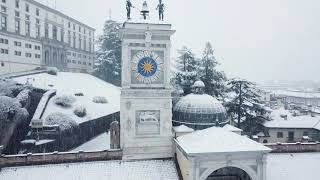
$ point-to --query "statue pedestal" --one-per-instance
(146, 103)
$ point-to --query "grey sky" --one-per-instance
(255, 39)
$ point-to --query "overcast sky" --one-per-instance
(258, 40)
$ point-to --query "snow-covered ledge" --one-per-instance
(203, 152)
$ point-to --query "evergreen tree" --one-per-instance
(245, 106)
(186, 69)
(208, 73)
(108, 55)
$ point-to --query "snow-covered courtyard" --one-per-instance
(67, 83)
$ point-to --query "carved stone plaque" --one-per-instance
(148, 122)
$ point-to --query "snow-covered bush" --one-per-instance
(52, 70)
(24, 97)
(80, 111)
(8, 108)
(100, 100)
(64, 101)
(9, 88)
(65, 122)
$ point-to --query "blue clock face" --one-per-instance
(147, 67)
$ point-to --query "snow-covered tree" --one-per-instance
(208, 73)
(108, 54)
(186, 69)
(245, 107)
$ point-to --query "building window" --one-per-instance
(17, 53)
(4, 1)
(85, 43)
(46, 31)
(37, 12)
(4, 51)
(27, 7)
(3, 41)
(37, 56)
(37, 47)
(74, 27)
(90, 64)
(280, 135)
(28, 55)
(69, 38)
(74, 40)
(90, 45)
(2, 64)
(17, 26)
(69, 25)
(54, 33)
(16, 43)
(74, 62)
(29, 46)
(4, 22)
(62, 35)
(79, 29)
(3, 9)
(17, 4)
(27, 28)
(84, 63)
(305, 133)
(27, 17)
(37, 31)
(79, 62)
(80, 42)
(79, 55)
(17, 13)
(38, 21)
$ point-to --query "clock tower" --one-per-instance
(146, 103)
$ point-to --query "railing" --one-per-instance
(58, 157)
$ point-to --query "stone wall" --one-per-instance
(294, 147)
(57, 157)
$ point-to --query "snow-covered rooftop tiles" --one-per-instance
(217, 140)
(301, 121)
(67, 83)
(107, 170)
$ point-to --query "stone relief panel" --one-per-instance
(148, 122)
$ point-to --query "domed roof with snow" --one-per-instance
(198, 84)
(199, 111)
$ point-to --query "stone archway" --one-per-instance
(229, 173)
(248, 172)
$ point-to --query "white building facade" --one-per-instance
(33, 35)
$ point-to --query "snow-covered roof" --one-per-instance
(67, 83)
(99, 143)
(217, 140)
(199, 84)
(231, 128)
(301, 121)
(113, 170)
(294, 166)
(299, 94)
(182, 129)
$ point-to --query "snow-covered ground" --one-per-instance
(297, 166)
(70, 83)
(99, 143)
(108, 170)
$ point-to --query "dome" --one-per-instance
(199, 111)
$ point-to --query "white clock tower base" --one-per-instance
(146, 103)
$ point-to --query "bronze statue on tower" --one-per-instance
(160, 9)
(129, 6)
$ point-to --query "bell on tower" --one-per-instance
(145, 10)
